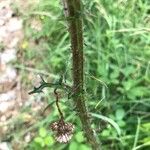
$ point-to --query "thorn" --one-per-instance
(74, 109)
(41, 91)
(31, 92)
(43, 81)
(85, 44)
(65, 8)
(60, 79)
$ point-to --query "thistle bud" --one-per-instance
(64, 130)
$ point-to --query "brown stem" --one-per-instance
(75, 29)
(57, 99)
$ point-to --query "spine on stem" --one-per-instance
(72, 9)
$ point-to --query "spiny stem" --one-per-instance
(75, 29)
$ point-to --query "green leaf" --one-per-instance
(113, 123)
(79, 137)
(40, 141)
(48, 140)
(84, 147)
(128, 70)
(130, 83)
(121, 123)
(105, 133)
(114, 81)
(138, 91)
(127, 85)
(135, 92)
(145, 127)
(114, 74)
(42, 132)
(146, 140)
(73, 146)
(120, 113)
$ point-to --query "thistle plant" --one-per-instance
(64, 131)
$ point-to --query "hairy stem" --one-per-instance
(75, 29)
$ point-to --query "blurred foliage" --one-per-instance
(117, 69)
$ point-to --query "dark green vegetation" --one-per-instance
(117, 70)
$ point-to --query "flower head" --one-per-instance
(64, 130)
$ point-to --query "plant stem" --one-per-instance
(57, 99)
(75, 29)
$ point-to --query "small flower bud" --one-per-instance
(64, 131)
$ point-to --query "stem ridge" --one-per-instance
(76, 35)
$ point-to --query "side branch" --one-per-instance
(43, 84)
